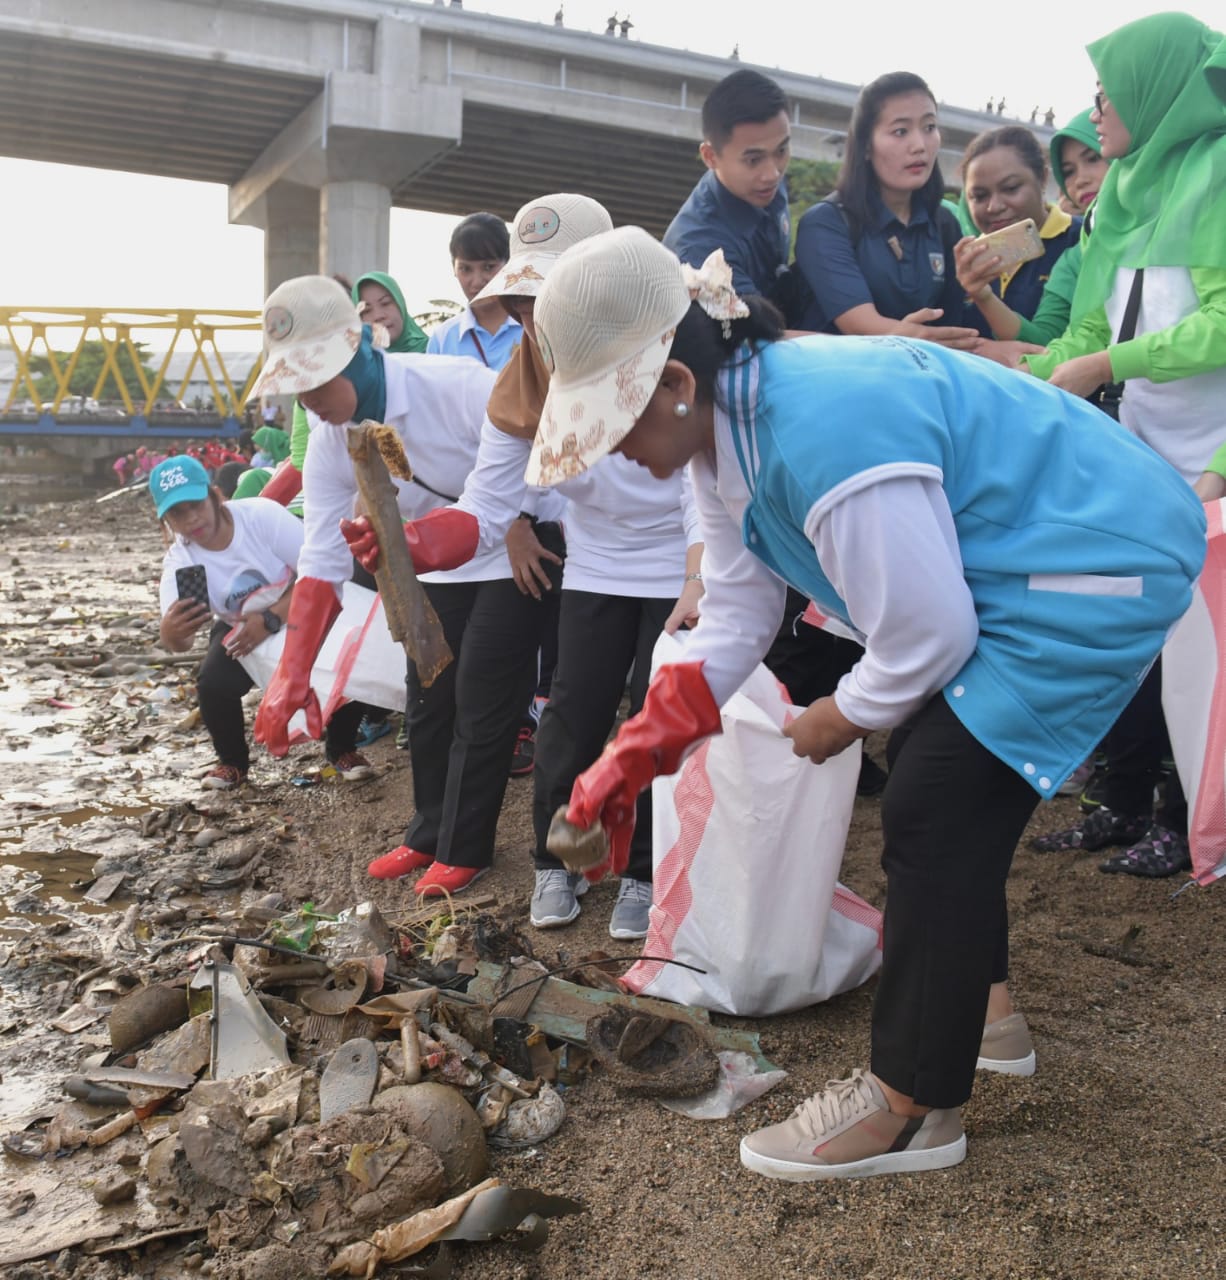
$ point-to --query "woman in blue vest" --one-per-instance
(976, 528)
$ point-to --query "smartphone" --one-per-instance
(1014, 244)
(192, 583)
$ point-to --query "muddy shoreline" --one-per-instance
(1107, 1163)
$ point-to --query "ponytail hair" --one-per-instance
(700, 345)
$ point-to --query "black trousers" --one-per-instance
(1135, 748)
(951, 816)
(462, 729)
(221, 683)
(808, 661)
(599, 638)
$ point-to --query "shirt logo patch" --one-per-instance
(937, 262)
(538, 225)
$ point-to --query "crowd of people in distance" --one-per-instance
(900, 457)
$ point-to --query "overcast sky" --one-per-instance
(91, 237)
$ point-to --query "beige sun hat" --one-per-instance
(605, 321)
(311, 331)
(543, 230)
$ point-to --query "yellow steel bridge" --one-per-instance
(46, 345)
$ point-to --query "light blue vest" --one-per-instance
(1079, 544)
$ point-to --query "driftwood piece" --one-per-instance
(410, 615)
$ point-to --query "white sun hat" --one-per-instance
(605, 321)
(311, 332)
(543, 230)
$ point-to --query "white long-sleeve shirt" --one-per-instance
(626, 532)
(436, 405)
(891, 553)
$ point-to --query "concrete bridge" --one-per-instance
(320, 115)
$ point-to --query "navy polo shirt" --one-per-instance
(755, 241)
(897, 268)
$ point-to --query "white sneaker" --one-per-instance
(847, 1130)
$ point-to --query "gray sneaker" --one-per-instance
(632, 914)
(555, 899)
(1007, 1047)
(848, 1131)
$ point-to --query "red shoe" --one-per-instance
(401, 861)
(441, 879)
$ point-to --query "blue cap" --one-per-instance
(177, 479)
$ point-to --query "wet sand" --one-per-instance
(1107, 1163)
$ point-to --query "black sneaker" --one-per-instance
(523, 758)
(1091, 797)
(1097, 830)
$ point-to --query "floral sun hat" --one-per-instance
(605, 321)
(311, 331)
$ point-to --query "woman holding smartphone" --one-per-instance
(878, 253)
(234, 565)
(1004, 173)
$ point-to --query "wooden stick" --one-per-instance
(410, 615)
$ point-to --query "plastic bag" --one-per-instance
(748, 840)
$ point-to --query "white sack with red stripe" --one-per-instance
(359, 660)
(1194, 699)
(748, 839)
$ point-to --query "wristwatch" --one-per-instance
(272, 621)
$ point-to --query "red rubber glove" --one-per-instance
(442, 539)
(312, 611)
(284, 485)
(677, 712)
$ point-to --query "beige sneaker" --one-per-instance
(1007, 1047)
(848, 1131)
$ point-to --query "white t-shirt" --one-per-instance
(253, 572)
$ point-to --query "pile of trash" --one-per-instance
(308, 1092)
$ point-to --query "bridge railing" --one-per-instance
(59, 336)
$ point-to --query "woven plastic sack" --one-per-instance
(1194, 699)
(358, 662)
(748, 841)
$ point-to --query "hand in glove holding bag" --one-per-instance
(312, 611)
(677, 712)
(442, 539)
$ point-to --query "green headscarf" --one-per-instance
(273, 442)
(251, 482)
(1164, 203)
(412, 336)
(1078, 129)
(1215, 71)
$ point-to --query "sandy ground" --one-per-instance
(1108, 1163)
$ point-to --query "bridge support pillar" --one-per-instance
(354, 223)
(289, 215)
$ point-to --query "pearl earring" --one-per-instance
(681, 409)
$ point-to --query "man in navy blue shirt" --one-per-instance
(740, 204)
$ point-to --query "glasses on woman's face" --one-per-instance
(1101, 102)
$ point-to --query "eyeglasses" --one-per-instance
(1101, 102)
